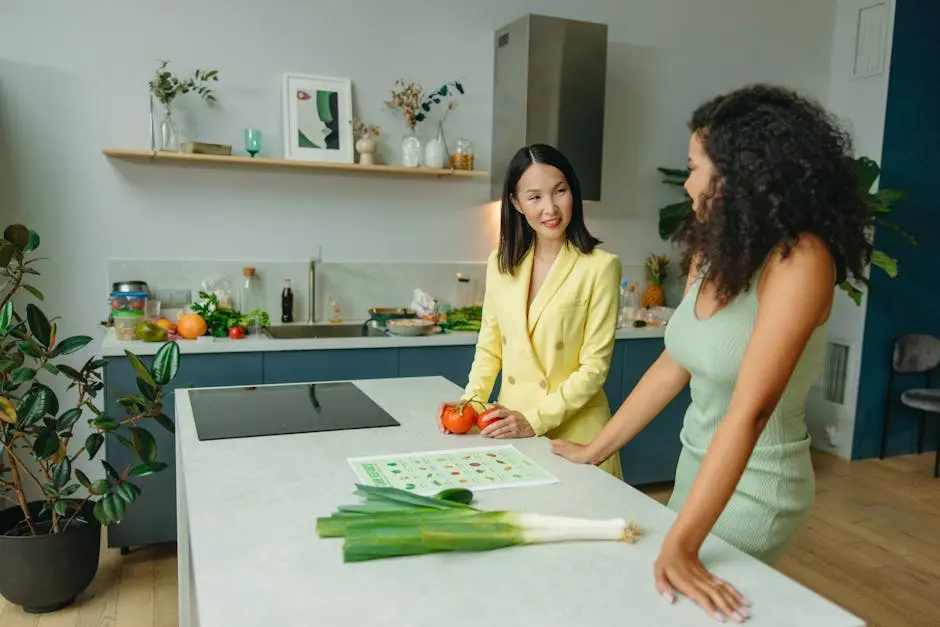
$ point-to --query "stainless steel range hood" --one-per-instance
(550, 85)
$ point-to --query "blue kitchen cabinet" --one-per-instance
(451, 362)
(151, 518)
(613, 387)
(330, 365)
(652, 455)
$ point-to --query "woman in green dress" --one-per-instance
(778, 221)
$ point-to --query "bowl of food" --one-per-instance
(410, 326)
(382, 315)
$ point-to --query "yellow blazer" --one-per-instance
(554, 357)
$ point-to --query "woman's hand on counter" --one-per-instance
(508, 423)
(573, 452)
(679, 570)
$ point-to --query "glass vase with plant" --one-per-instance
(166, 87)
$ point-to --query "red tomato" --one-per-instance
(487, 418)
(458, 418)
(236, 333)
(137, 304)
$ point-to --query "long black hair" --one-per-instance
(783, 167)
(515, 234)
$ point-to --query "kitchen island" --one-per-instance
(216, 362)
(249, 553)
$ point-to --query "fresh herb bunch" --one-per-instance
(464, 319)
(165, 87)
(36, 430)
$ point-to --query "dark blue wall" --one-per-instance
(909, 303)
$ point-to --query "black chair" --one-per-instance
(915, 353)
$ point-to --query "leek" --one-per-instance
(395, 523)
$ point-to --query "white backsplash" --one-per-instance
(356, 286)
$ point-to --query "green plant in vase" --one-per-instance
(879, 204)
(166, 87)
(51, 528)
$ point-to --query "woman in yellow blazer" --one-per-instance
(549, 312)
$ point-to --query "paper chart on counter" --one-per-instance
(429, 472)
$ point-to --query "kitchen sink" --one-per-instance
(307, 331)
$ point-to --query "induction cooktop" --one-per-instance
(284, 409)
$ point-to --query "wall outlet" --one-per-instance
(831, 432)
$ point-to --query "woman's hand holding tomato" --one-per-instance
(505, 423)
(456, 417)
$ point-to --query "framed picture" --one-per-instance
(318, 119)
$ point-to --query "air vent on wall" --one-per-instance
(871, 40)
(835, 368)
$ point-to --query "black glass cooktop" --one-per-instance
(284, 409)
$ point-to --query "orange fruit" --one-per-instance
(165, 323)
(191, 326)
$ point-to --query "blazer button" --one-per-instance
(543, 384)
(504, 340)
(559, 345)
(512, 380)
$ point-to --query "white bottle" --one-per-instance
(624, 295)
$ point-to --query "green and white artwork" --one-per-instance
(317, 119)
(429, 472)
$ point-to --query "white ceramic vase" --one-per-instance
(366, 149)
(434, 156)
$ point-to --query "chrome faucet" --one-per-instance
(311, 292)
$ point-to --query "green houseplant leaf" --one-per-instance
(71, 345)
(144, 445)
(39, 325)
(140, 368)
(166, 363)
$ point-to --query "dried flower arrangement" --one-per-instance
(410, 100)
(364, 131)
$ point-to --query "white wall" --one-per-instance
(73, 80)
(860, 102)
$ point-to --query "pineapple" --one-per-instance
(657, 267)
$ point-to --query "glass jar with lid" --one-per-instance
(462, 156)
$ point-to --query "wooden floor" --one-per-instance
(872, 546)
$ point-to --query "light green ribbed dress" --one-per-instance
(773, 498)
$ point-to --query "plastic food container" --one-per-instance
(128, 302)
(125, 324)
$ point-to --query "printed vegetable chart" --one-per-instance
(430, 472)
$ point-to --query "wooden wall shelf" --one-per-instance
(186, 159)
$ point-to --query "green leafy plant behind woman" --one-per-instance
(879, 204)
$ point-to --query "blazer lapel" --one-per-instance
(560, 270)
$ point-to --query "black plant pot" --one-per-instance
(44, 573)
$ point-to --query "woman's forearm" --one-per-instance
(662, 382)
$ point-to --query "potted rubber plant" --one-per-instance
(51, 512)
(879, 204)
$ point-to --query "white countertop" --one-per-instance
(110, 346)
(250, 555)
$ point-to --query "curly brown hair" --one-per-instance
(783, 167)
